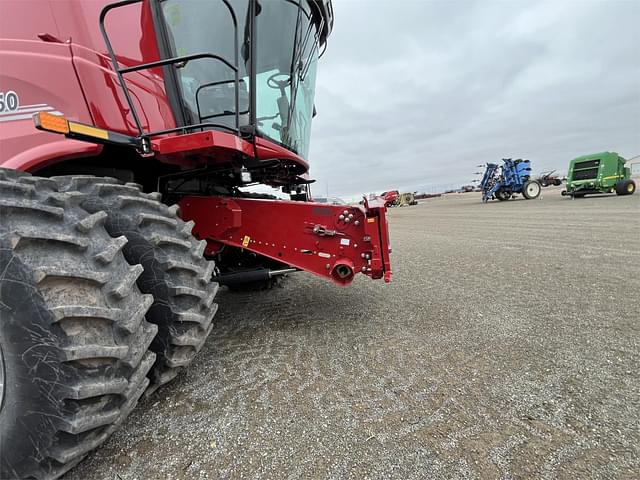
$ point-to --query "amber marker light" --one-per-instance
(51, 123)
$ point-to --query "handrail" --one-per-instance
(183, 58)
(120, 72)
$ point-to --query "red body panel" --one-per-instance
(213, 146)
(106, 101)
(266, 150)
(55, 56)
(70, 73)
(43, 76)
(315, 237)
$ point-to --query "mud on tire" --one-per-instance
(73, 335)
(175, 271)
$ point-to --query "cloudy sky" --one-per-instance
(415, 94)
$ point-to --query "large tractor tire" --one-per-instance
(175, 271)
(502, 195)
(625, 187)
(531, 189)
(73, 336)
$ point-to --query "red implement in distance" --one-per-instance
(331, 241)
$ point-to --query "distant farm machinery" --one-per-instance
(407, 199)
(502, 182)
(604, 172)
(394, 198)
(549, 178)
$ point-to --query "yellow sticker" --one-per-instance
(371, 220)
(246, 240)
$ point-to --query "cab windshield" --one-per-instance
(286, 53)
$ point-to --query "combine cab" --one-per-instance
(128, 132)
(502, 182)
(599, 173)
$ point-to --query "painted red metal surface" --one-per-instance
(24, 63)
(213, 146)
(332, 241)
(55, 56)
(266, 150)
(391, 197)
(206, 147)
(134, 41)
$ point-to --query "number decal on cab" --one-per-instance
(9, 101)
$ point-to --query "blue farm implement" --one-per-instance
(503, 181)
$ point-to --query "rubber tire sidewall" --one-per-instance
(621, 187)
(524, 190)
(31, 367)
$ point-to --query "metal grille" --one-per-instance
(587, 164)
(585, 174)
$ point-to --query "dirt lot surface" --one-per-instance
(507, 346)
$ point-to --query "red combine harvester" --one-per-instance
(128, 131)
(391, 198)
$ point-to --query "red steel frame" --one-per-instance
(331, 241)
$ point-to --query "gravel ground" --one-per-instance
(506, 347)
